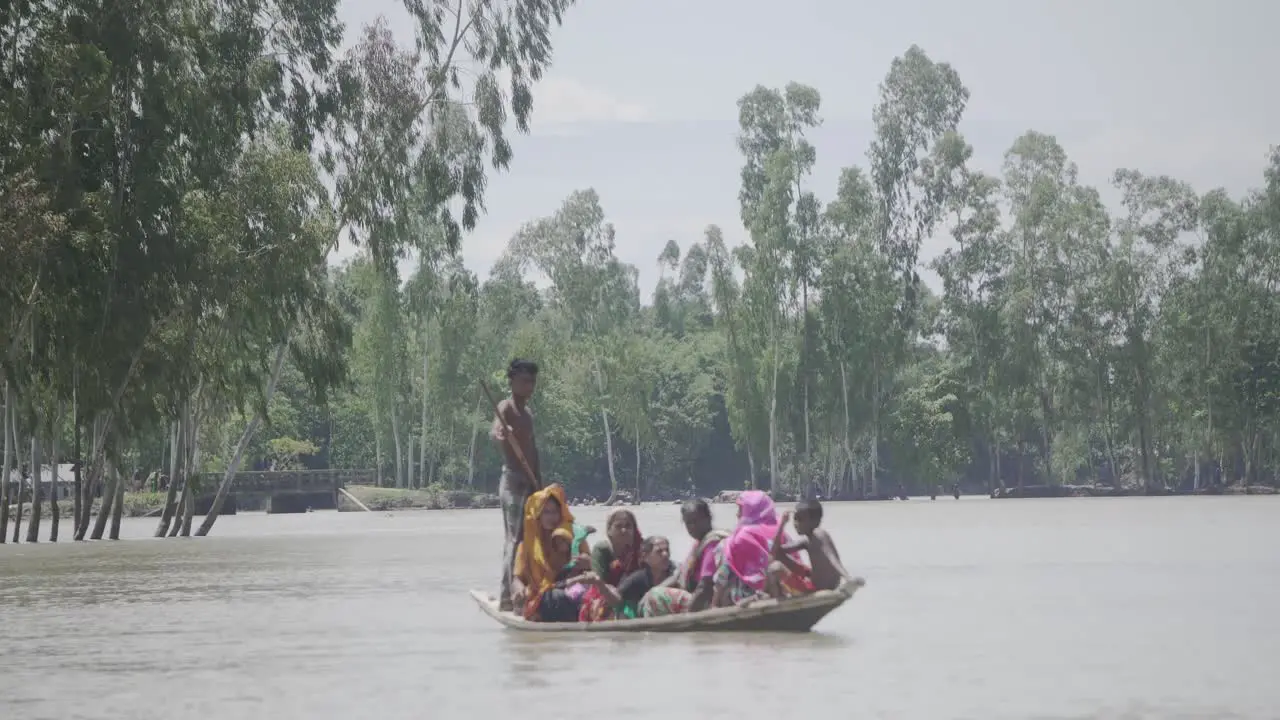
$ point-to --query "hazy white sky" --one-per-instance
(641, 101)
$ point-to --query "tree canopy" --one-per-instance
(166, 304)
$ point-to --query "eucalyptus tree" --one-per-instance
(590, 287)
(506, 302)
(6, 439)
(286, 310)
(781, 218)
(974, 282)
(448, 296)
(120, 274)
(1158, 211)
(1039, 184)
(860, 296)
(742, 393)
(912, 156)
(414, 136)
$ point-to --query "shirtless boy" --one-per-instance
(515, 420)
(827, 572)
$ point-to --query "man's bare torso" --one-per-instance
(520, 420)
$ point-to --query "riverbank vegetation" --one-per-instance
(1068, 343)
(174, 177)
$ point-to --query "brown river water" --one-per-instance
(1091, 608)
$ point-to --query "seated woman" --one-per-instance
(695, 575)
(744, 565)
(643, 593)
(612, 559)
(543, 560)
(648, 589)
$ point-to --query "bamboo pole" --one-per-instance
(353, 499)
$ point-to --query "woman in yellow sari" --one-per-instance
(541, 559)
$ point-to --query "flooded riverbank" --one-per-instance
(1138, 608)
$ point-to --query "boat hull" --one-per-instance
(798, 614)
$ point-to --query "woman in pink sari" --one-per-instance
(745, 566)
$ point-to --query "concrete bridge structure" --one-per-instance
(283, 491)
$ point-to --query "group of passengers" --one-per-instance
(558, 578)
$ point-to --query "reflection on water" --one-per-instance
(1142, 608)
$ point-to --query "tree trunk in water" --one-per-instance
(471, 454)
(117, 504)
(608, 436)
(773, 423)
(395, 435)
(77, 507)
(225, 486)
(377, 452)
(193, 471)
(102, 427)
(608, 448)
(449, 438)
(181, 507)
(804, 367)
(86, 501)
(22, 482)
(808, 447)
(181, 522)
(409, 475)
(1195, 479)
(1046, 434)
(422, 440)
(1017, 468)
(6, 467)
(57, 480)
(109, 482)
(1246, 454)
(999, 474)
(875, 428)
(848, 452)
(37, 483)
(188, 509)
(190, 478)
(171, 493)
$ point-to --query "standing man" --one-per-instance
(515, 421)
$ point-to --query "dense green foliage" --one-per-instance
(1068, 343)
(164, 223)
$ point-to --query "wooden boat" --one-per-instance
(798, 614)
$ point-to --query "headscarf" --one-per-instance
(757, 508)
(535, 564)
(748, 549)
(630, 561)
(555, 558)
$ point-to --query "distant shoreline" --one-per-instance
(1028, 492)
(1075, 491)
(398, 499)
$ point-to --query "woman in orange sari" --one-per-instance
(543, 553)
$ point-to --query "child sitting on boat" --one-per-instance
(569, 578)
(826, 571)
